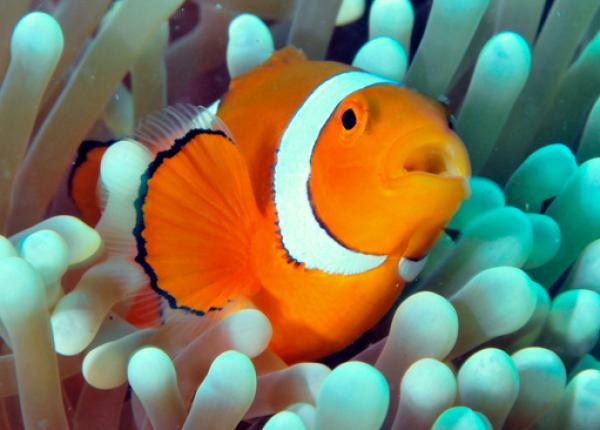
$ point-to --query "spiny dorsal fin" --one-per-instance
(267, 71)
(286, 55)
(159, 130)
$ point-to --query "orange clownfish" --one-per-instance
(316, 204)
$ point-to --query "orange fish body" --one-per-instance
(315, 313)
(338, 182)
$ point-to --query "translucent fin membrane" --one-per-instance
(159, 130)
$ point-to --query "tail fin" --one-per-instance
(83, 180)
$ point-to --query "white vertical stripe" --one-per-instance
(303, 238)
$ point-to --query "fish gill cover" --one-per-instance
(499, 330)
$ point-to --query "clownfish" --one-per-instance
(315, 203)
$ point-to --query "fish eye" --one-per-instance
(349, 119)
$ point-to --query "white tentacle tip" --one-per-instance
(350, 11)
(38, 37)
(410, 269)
(250, 44)
(382, 56)
(122, 166)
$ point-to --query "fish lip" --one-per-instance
(393, 184)
(419, 153)
(443, 168)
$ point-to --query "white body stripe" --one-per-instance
(302, 235)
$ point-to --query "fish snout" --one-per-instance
(440, 156)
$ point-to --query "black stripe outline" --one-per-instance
(320, 222)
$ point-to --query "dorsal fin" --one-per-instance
(158, 131)
(267, 71)
(286, 55)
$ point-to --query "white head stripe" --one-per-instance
(302, 235)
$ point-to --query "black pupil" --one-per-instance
(349, 119)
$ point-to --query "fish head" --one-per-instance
(388, 172)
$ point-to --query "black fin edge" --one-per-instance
(82, 156)
(142, 253)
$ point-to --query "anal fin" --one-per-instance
(196, 215)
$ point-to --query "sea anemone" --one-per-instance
(500, 330)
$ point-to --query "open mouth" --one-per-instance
(440, 159)
(426, 161)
